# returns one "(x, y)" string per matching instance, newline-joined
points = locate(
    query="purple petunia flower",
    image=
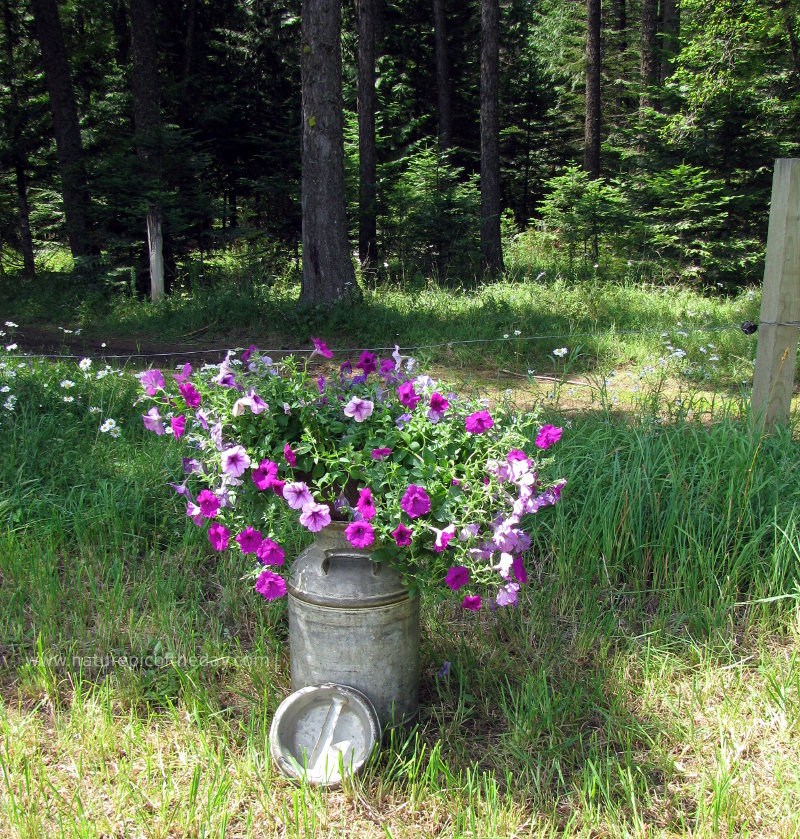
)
(437, 406)
(297, 495)
(277, 487)
(270, 585)
(315, 516)
(407, 395)
(291, 457)
(457, 576)
(321, 384)
(248, 352)
(265, 474)
(402, 535)
(359, 409)
(320, 348)
(387, 366)
(178, 425)
(190, 394)
(402, 420)
(507, 594)
(365, 505)
(218, 535)
(547, 436)
(252, 401)
(360, 534)
(471, 602)
(191, 465)
(518, 570)
(234, 461)
(270, 553)
(367, 362)
(151, 381)
(380, 454)
(153, 422)
(249, 540)
(479, 422)
(194, 512)
(183, 376)
(209, 503)
(415, 502)
(443, 537)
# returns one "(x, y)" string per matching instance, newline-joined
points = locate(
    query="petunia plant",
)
(436, 484)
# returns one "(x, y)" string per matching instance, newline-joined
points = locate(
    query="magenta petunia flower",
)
(380, 454)
(402, 535)
(387, 366)
(547, 436)
(479, 422)
(183, 376)
(407, 395)
(290, 456)
(277, 487)
(190, 394)
(457, 576)
(359, 409)
(315, 516)
(249, 540)
(443, 537)
(367, 362)
(415, 502)
(472, 602)
(248, 352)
(270, 553)
(438, 403)
(218, 535)
(153, 422)
(234, 461)
(209, 503)
(365, 505)
(519, 571)
(321, 348)
(178, 425)
(360, 534)
(265, 474)
(194, 512)
(297, 495)
(270, 585)
(151, 381)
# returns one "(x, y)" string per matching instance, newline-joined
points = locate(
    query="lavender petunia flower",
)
(153, 422)
(359, 409)
(234, 461)
(297, 495)
(315, 516)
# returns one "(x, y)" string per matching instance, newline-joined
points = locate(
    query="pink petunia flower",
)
(321, 348)
(218, 535)
(153, 422)
(270, 585)
(360, 534)
(471, 602)
(151, 381)
(415, 502)
(547, 436)
(265, 474)
(270, 553)
(407, 395)
(457, 576)
(234, 461)
(380, 454)
(315, 516)
(190, 394)
(249, 540)
(402, 535)
(297, 495)
(365, 505)
(290, 456)
(178, 425)
(359, 409)
(479, 422)
(209, 503)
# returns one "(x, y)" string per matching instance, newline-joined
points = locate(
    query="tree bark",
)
(650, 63)
(591, 148)
(620, 27)
(442, 75)
(367, 196)
(491, 245)
(147, 119)
(328, 273)
(670, 36)
(69, 148)
(17, 152)
(788, 22)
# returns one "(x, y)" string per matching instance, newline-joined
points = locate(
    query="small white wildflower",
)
(560, 352)
(85, 364)
(679, 354)
(2, 334)
(103, 344)
(517, 332)
(10, 403)
(108, 425)
(67, 384)
(115, 432)
(21, 365)
(11, 347)
(702, 350)
(4, 389)
(94, 409)
(11, 325)
(682, 333)
(69, 398)
(713, 358)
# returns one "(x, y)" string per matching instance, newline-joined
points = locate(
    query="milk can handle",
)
(345, 555)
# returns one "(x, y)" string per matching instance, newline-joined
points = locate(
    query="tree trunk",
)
(650, 63)
(789, 23)
(591, 148)
(442, 75)
(367, 197)
(670, 34)
(147, 119)
(620, 26)
(327, 270)
(14, 122)
(491, 245)
(69, 148)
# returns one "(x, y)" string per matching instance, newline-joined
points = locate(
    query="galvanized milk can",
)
(351, 622)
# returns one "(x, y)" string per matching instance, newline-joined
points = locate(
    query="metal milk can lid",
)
(345, 579)
(323, 732)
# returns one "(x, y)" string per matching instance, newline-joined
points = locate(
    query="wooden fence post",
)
(776, 353)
